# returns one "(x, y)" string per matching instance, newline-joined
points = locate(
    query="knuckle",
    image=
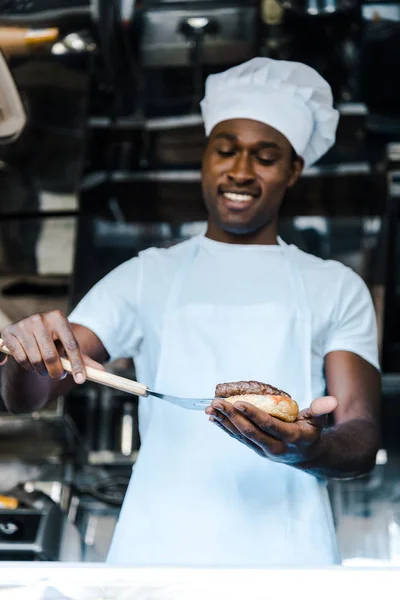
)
(43, 337)
(57, 314)
(231, 412)
(248, 431)
(21, 359)
(8, 339)
(72, 344)
(6, 331)
(20, 327)
(36, 319)
(50, 357)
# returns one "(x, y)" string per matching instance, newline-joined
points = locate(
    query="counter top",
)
(55, 581)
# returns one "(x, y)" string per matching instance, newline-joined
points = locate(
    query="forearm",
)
(344, 451)
(24, 391)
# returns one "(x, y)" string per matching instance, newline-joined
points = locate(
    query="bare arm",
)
(346, 450)
(349, 447)
(34, 375)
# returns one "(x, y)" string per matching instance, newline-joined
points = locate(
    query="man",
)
(239, 488)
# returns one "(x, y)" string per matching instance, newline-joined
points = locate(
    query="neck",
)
(265, 236)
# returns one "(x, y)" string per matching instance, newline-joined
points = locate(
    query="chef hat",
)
(289, 96)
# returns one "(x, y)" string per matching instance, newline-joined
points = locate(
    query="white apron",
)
(198, 497)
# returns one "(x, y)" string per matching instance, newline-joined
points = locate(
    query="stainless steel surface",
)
(194, 176)
(164, 44)
(188, 403)
(190, 120)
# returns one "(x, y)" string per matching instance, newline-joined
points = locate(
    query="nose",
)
(242, 170)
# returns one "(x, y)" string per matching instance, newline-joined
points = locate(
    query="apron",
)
(197, 497)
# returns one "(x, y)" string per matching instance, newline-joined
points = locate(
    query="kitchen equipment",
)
(31, 532)
(195, 29)
(229, 34)
(127, 385)
(321, 7)
(180, 44)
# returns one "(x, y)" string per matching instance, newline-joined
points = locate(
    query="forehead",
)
(249, 132)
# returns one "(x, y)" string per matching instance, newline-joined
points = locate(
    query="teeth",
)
(237, 197)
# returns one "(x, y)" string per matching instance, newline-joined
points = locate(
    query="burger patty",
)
(240, 388)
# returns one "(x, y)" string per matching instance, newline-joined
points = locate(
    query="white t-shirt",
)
(125, 309)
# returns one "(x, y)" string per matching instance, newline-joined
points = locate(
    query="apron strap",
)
(192, 249)
(303, 307)
(299, 290)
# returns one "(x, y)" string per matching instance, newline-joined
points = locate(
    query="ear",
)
(297, 167)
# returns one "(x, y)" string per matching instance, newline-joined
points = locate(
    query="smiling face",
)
(247, 168)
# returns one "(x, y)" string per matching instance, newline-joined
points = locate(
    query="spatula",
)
(127, 385)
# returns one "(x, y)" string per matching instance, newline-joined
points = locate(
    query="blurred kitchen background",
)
(108, 164)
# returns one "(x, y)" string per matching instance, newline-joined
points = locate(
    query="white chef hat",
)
(289, 96)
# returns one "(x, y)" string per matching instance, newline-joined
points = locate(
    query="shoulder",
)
(334, 290)
(326, 272)
(343, 311)
(311, 263)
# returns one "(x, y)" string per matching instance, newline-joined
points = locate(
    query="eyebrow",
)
(233, 138)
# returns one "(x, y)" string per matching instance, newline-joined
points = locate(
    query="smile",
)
(235, 197)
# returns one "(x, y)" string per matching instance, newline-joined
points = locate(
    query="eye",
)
(225, 152)
(266, 162)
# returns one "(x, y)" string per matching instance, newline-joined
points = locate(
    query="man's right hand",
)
(37, 343)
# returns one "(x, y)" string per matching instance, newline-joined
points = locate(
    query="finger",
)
(323, 406)
(70, 344)
(245, 426)
(285, 432)
(238, 437)
(320, 408)
(89, 362)
(31, 349)
(47, 348)
(17, 351)
(220, 418)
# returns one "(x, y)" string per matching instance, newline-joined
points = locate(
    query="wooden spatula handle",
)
(113, 381)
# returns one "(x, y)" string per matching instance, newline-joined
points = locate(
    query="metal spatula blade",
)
(189, 403)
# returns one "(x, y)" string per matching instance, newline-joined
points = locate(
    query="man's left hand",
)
(288, 443)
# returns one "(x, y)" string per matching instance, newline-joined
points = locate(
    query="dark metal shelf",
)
(189, 120)
(98, 178)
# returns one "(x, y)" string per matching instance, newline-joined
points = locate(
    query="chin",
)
(242, 229)
(239, 230)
